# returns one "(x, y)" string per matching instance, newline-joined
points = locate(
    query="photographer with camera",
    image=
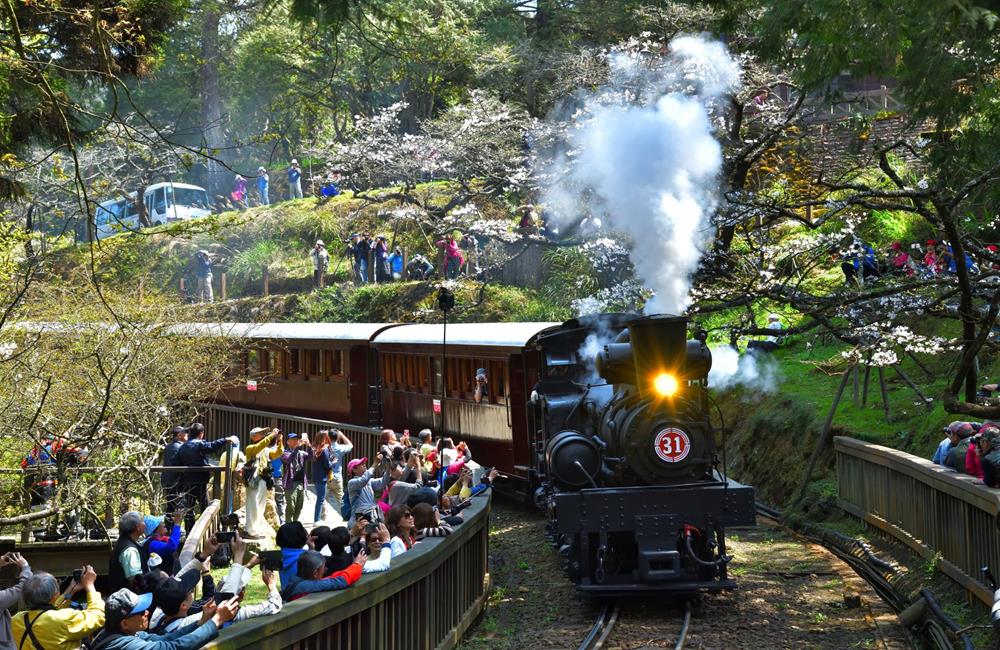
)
(258, 477)
(48, 620)
(10, 596)
(195, 453)
(163, 537)
(482, 390)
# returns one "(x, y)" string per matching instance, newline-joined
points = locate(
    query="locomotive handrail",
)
(426, 600)
(930, 508)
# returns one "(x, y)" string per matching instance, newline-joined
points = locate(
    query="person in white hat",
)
(294, 180)
(263, 186)
(321, 262)
(260, 453)
(774, 323)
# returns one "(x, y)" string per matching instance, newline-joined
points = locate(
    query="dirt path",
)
(791, 595)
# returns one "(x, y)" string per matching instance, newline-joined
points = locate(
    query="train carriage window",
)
(386, 368)
(294, 361)
(252, 362)
(312, 361)
(468, 378)
(266, 360)
(400, 371)
(423, 376)
(332, 366)
(411, 372)
(437, 375)
(453, 373)
(498, 382)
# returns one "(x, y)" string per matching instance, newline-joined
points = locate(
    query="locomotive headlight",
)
(665, 384)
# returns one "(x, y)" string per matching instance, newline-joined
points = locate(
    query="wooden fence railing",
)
(428, 598)
(206, 526)
(928, 507)
(223, 421)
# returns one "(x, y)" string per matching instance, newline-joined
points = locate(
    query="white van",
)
(165, 203)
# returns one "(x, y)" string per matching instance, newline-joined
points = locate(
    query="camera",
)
(77, 574)
(271, 560)
(225, 536)
(232, 520)
(168, 521)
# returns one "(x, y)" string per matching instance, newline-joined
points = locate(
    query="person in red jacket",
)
(973, 466)
(309, 578)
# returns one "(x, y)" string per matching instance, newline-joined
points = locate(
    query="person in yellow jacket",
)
(260, 453)
(49, 622)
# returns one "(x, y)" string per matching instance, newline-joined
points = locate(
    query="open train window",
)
(498, 381)
(411, 372)
(333, 365)
(294, 361)
(252, 362)
(400, 371)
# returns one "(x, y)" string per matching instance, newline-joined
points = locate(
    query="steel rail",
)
(601, 629)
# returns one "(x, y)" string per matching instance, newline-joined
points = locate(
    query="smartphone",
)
(222, 596)
(225, 536)
(77, 574)
(272, 560)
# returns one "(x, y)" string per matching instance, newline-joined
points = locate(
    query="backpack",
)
(345, 509)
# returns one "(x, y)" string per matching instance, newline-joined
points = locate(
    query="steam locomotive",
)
(626, 457)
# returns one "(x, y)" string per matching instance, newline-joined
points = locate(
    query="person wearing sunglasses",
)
(400, 523)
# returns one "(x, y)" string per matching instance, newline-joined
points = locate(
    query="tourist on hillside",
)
(859, 263)
(203, 271)
(294, 180)
(309, 577)
(959, 437)
(321, 262)
(257, 476)
(128, 619)
(173, 489)
(419, 268)
(239, 193)
(395, 262)
(381, 255)
(48, 620)
(952, 434)
(263, 186)
(294, 474)
(453, 259)
(195, 453)
(361, 250)
(10, 596)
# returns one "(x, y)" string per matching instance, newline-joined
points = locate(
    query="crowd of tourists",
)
(971, 448)
(413, 489)
(862, 264)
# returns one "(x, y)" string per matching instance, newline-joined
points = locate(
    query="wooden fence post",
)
(267, 282)
(222, 286)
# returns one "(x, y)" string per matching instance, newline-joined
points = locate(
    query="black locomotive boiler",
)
(627, 460)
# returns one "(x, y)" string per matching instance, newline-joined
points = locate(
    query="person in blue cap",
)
(127, 618)
(162, 541)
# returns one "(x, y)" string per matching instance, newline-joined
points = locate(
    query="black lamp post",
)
(446, 301)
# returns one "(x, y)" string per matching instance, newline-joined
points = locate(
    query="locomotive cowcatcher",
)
(627, 459)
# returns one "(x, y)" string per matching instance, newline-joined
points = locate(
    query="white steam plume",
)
(641, 153)
(754, 371)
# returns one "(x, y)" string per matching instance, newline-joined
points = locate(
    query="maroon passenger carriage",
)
(392, 375)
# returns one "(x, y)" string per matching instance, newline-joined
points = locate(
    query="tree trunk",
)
(211, 96)
(965, 309)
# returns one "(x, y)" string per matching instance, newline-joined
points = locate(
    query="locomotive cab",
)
(628, 462)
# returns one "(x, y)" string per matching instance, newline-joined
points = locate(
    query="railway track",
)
(604, 625)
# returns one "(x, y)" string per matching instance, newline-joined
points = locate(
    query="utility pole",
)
(446, 301)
